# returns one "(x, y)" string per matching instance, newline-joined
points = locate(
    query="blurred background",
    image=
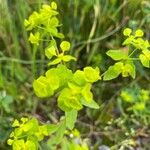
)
(93, 27)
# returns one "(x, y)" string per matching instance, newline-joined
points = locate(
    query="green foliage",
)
(63, 80)
(113, 71)
(71, 141)
(145, 58)
(65, 46)
(58, 136)
(138, 99)
(45, 21)
(5, 101)
(72, 89)
(91, 104)
(91, 75)
(126, 66)
(34, 39)
(71, 117)
(28, 133)
(50, 52)
(117, 54)
(68, 100)
(80, 144)
(43, 86)
(127, 32)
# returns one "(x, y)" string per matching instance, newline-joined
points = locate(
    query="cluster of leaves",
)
(52, 53)
(73, 89)
(135, 46)
(44, 23)
(137, 99)
(134, 103)
(27, 133)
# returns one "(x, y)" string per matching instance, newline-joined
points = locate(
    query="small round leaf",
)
(139, 33)
(54, 5)
(65, 46)
(127, 32)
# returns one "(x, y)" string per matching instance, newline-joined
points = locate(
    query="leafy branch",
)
(73, 88)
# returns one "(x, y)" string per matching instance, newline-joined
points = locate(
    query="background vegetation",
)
(93, 27)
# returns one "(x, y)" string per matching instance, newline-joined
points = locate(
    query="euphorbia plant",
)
(73, 89)
(136, 49)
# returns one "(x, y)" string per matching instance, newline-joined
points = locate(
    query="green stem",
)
(103, 74)
(132, 52)
(133, 59)
(57, 51)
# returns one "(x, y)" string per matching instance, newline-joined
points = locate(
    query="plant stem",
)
(132, 52)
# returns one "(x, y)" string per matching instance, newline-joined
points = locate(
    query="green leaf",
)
(54, 5)
(126, 96)
(68, 101)
(71, 117)
(62, 98)
(51, 128)
(128, 69)
(34, 39)
(132, 71)
(79, 78)
(65, 46)
(91, 75)
(50, 52)
(60, 132)
(129, 40)
(42, 87)
(57, 138)
(24, 120)
(74, 87)
(117, 54)
(144, 60)
(18, 145)
(30, 145)
(140, 106)
(16, 123)
(31, 126)
(62, 72)
(91, 104)
(55, 62)
(86, 93)
(6, 103)
(33, 21)
(10, 141)
(113, 71)
(52, 30)
(127, 32)
(44, 130)
(139, 33)
(54, 22)
(74, 103)
(53, 79)
(67, 58)
(146, 52)
(60, 35)
(18, 132)
(26, 23)
(65, 74)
